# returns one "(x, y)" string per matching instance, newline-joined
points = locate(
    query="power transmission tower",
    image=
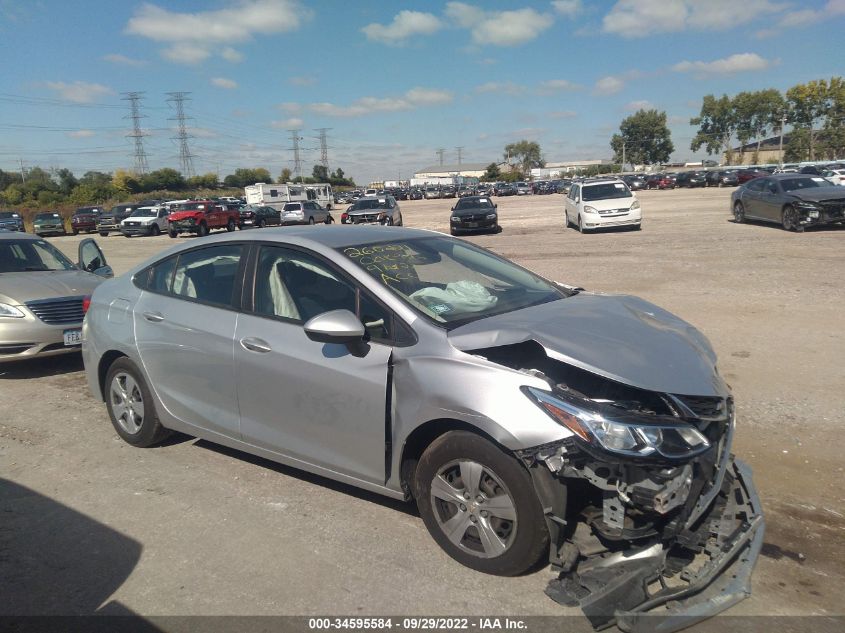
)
(324, 147)
(134, 99)
(460, 150)
(185, 157)
(297, 159)
(439, 152)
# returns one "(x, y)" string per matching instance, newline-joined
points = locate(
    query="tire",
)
(509, 537)
(155, 231)
(230, 225)
(130, 405)
(789, 219)
(452, 232)
(202, 231)
(581, 228)
(75, 231)
(172, 234)
(262, 223)
(104, 233)
(739, 213)
(388, 222)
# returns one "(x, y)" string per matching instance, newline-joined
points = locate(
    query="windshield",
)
(145, 212)
(450, 281)
(473, 203)
(369, 204)
(606, 191)
(47, 216)
(791, 184)
(9, 214)
(18, 256)
(190, 206)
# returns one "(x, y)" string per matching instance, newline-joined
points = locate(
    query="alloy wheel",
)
(127, 402)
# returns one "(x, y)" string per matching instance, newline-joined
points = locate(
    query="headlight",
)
(455, 218)
(808, 205)
(636, 205)
(491, 216)
(589, 209)
(10, 311)
(673, 441)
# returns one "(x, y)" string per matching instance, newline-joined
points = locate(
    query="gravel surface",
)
(88, 522)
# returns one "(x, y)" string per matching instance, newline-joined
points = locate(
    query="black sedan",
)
(794, 201)
(473, 215)
(254, 215)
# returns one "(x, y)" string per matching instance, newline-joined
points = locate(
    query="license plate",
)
(73, 337)
(472, 225)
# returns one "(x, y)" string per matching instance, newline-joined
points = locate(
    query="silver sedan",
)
(530, 421)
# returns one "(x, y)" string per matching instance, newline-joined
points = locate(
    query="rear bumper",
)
(645, 590)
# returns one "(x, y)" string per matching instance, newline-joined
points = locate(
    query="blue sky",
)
(394, 81)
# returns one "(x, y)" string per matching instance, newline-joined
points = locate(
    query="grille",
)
(370, 217)
(133, 224)
(706, 407)
(62, 310)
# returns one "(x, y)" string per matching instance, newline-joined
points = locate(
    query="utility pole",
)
(623, 157)
(182, 136)
(297, 160)
(324, 147)
(439, 152)
(780, 150)
(23, 173)
(134, 99)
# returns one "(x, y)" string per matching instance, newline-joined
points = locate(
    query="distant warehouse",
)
(468, 170)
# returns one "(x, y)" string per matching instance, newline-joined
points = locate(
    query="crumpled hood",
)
(818, 194)
(622, 338)
(18, 288)
(184, 215)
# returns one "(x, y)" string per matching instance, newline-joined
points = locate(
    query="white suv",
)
(596, 203)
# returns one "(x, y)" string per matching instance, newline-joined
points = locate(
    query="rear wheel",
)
(230, 225)
(130, 405)
(479, 504)
(76, 231)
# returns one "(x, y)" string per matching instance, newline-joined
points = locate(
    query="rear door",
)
(184, 328)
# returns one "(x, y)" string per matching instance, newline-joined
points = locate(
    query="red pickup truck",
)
(201, 216)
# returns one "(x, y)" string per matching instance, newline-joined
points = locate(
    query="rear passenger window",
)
(161, 276)
(208, 275)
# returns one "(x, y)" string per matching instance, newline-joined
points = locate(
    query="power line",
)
(297, 159)
(324, 147)
(134, 99)
(182, 136)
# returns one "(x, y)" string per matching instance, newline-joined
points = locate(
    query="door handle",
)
(154, 317)
(256, 345)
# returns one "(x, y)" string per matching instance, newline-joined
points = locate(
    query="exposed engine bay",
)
(653, 524)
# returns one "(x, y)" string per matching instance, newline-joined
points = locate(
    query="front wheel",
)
(104, 233)
(262, 223)
(739, 213)
(789, 219)
(479, 505)
(155, 231)
(202, 231)
(130, 405)
(76, 231)
(581, 228)
(172, 234)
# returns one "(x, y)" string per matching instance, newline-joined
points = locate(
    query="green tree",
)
(13, 194)
(492, 173)
(645, 137)
(285, 176)
(524, 153)
(809, 103)
(67, 181)
(716, 126)
(124, 183)
(8, 178)
(97, 178)
(243, 177)
(165, 179)
(205, 181)
(320, 173)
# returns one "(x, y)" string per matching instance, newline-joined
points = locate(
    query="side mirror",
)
(337, 326)
(92, 260)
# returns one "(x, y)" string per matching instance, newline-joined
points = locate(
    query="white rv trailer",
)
(271, 195)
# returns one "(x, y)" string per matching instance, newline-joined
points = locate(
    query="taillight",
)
(86, 303)
(344, 218)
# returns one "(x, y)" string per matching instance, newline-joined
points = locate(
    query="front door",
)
(320, 403)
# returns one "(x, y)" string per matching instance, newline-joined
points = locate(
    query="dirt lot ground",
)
(189, 528)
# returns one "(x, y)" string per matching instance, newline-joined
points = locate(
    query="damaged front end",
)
(654, 525)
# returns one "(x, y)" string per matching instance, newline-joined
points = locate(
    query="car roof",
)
(599, 181)
(323, 236)
(14, 235)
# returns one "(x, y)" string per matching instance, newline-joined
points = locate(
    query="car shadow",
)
(55, 561)
(406, 507)
(41, 367)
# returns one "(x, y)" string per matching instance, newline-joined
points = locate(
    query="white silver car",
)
(530, 421)
(146, 221)
(598, 203)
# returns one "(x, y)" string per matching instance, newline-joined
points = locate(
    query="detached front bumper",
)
(665, 586)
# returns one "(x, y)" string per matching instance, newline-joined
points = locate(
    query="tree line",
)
(39, 188)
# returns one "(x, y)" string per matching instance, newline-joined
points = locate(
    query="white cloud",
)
(290, 106)
(195, 36)
(500, 87)
(222, 82)
(302, 81)
(292, 123)
(551, 86)
(804, 17)
(414, 98)
(568, 8)
(117, 58)
(562, 114)
(633, 106)
(499, 28)
(79, 91)
(608, 85)
(405, 25)
(232, 55)
(739, 63)
(640, 18)
(202, 132)
(186, 54)
(81, 134)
